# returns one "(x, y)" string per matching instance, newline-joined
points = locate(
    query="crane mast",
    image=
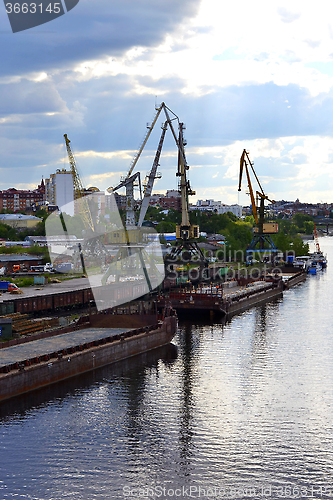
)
(185, 231)
(129, 184)
(262, 229)
(316, 238)
(81, 206)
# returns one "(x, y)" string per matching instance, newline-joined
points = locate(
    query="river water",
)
(242, 410)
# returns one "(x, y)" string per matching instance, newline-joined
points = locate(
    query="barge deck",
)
(29, 366)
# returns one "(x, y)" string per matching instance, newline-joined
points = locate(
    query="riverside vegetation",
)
(237, 232)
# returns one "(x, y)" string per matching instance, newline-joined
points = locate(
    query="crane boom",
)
(150, 128)
(242, 164)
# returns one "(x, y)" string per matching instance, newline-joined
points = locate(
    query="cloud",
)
(91, 30)
(287, 16)
(97, 73)
(26, 97)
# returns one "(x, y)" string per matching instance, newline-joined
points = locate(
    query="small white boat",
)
(303, 261)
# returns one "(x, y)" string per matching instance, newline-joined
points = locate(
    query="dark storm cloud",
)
(91, 30)
(219, 118)
(106, 115)
(114, 117)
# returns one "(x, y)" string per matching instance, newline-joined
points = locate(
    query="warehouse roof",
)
(18, 257)
(18, 217)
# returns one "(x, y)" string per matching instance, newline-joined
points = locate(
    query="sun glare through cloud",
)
(256, 76)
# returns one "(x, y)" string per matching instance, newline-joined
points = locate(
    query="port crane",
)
(185, 231)
(78, 189)
(262, 230)
(129, 181)
(92, 246)
(131, 245)
(316, 238)
(186, 249)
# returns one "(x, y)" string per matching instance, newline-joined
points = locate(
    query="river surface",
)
(243, 410)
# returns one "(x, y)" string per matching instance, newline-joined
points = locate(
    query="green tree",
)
(282, 241)
(308, 227)
(174, 216)
(299, 221)
(299, 247)
(166, 227)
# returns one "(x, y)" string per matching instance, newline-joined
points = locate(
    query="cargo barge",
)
(95, 341)
(231, 298)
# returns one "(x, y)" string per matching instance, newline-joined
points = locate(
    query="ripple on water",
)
(248, 403)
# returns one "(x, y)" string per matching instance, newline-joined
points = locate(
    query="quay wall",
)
(49, 372)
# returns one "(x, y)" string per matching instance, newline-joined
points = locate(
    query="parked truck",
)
(64, 267)
(7, 286)
(47, 268)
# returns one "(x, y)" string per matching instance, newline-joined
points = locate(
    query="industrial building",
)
(59, 190)
(19, 221)
(217, 207)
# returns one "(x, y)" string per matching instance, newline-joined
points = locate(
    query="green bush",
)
(21, 282)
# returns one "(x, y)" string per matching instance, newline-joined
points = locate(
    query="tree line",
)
(238, 232)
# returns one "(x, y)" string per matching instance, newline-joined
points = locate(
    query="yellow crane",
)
(262, 229)
(82, 206)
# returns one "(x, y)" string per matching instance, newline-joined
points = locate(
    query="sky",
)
(240, 75)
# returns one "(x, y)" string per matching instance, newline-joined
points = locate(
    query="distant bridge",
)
(324, 224)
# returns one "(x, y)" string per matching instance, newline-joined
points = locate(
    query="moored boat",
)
(96, 341)
(319, 258)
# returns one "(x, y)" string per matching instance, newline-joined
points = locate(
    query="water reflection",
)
(188, 345)
(247, 403)
(133, 369)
